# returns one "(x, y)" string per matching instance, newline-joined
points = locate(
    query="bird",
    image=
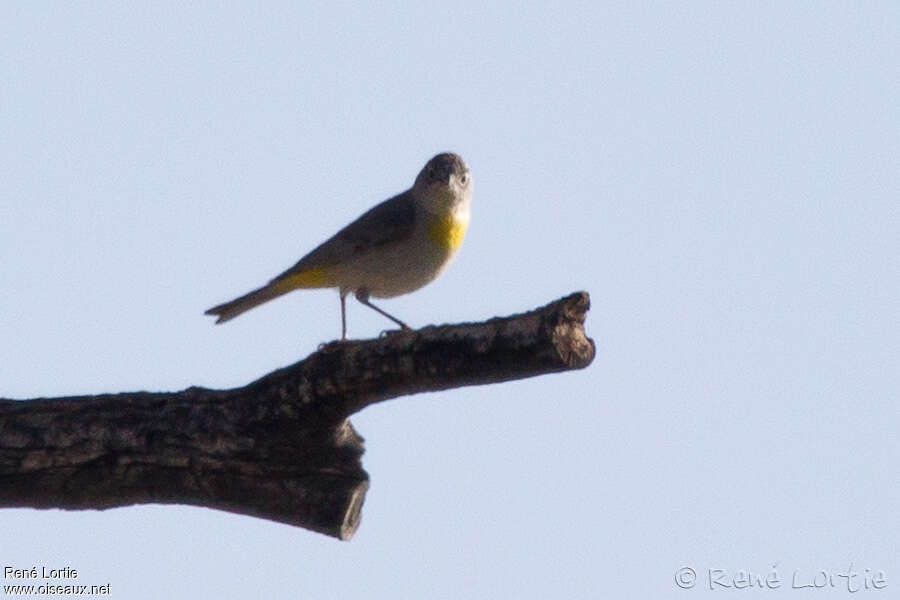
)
(394, 248)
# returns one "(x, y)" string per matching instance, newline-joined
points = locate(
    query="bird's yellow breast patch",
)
(448, 231)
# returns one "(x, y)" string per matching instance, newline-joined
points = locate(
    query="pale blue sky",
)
(723, 180)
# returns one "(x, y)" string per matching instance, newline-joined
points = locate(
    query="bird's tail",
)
(230, 310)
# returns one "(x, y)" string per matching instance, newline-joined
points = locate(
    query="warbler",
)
(395, 248)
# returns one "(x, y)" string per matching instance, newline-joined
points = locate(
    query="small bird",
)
(395, 248)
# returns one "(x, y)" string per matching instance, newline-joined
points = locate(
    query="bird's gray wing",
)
(392, 220)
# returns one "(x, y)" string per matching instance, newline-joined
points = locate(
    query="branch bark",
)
(280, 448)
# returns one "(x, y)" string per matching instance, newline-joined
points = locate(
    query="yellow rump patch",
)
(447, 231)
(310, 278)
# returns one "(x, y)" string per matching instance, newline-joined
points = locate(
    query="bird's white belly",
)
(396, 269)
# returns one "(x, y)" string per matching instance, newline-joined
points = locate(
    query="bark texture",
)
(280, 448)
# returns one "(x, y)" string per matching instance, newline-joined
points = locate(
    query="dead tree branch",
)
(280, 448)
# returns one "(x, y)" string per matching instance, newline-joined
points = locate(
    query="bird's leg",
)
(362, 295)
(343, 314)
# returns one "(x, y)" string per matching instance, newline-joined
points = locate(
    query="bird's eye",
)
(464, 178)
(431, 173)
